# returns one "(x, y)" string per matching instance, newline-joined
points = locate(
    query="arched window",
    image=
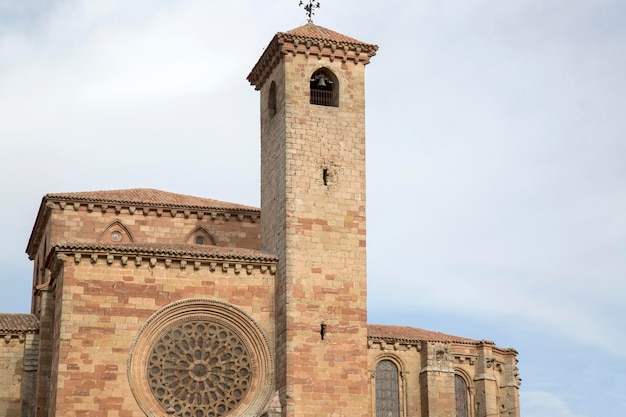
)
(324, 88)
(460, 394)
(387, 391)
(116, 232)
(271, 100)
(200, 236)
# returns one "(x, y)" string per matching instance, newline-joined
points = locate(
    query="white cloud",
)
(546, 404)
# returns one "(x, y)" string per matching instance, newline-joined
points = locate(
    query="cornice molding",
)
(139, 257)
(159, 210)
(399, 341)
(388, 344)
(286, 43)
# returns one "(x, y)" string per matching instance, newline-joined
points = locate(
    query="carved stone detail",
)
(201, 357)
(199, 368)
(112, 255)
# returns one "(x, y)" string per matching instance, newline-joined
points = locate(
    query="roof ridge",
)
(415, 333)
(148, 196)
(313, 31)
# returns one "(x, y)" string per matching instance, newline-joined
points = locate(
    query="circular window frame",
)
(224, 314)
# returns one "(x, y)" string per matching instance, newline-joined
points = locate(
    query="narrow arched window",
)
(460, 394)
(324, 88)
(271, 100)
(387, 391)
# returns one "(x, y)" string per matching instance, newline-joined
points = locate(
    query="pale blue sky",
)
(496, 154)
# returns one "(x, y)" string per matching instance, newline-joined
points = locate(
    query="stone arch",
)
(209, 332)
(324, 88)
(400, 363)
(463, 393)
(116, 232)
(193, 237)
(389, 385)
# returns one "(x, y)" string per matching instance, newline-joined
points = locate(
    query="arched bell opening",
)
(324, 88)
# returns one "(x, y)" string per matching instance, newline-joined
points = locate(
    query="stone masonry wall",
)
(323, 276)
(11, 371)
(426, 377)
(273, 202)
(82, 225)
(104, 306)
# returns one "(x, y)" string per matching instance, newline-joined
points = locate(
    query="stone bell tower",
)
(313, 216)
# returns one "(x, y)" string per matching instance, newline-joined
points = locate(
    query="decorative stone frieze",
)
(464, 359)
(393, 345)
(110, 258)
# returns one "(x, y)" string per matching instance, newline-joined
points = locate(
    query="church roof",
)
(149, 196)
(18, 323)
(384, 331)
(312, 31)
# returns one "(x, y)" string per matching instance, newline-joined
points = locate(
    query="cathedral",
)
(151, 303)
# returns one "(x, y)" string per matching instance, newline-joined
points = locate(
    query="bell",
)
(321, 82)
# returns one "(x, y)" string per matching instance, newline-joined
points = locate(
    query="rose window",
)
(200, 368)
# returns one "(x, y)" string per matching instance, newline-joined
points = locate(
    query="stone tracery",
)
(199, 368)
(201, 358)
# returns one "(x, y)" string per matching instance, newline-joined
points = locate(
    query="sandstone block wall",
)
(82, 223)
(101, 308)
(427, 372)
(11, 372)
(156, 226)
(313, 197)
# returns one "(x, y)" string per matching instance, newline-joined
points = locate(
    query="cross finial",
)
(310, 7)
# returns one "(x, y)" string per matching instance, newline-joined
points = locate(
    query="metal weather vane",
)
(310, 7)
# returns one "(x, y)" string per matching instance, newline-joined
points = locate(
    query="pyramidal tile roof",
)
(18, 323)
(146, 196)
(413, 333)
(312, 31)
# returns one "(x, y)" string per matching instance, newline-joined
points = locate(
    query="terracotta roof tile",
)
(412, 333)
(312, 31)
(172, 249)
(147, 196)
(18, 323)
